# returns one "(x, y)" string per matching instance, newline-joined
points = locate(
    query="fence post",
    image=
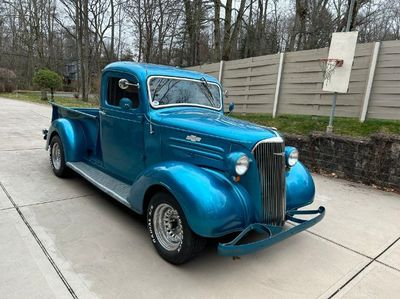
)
(368, 89)
(221, 71)
(278, 84)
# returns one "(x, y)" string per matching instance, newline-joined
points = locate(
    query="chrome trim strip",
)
(276, 139)
(100, 186)
(187, 105)
(198, 144)
(197, 152)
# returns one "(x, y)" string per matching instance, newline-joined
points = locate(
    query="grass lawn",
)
(300, 124)
(62, 100)
(295, 124)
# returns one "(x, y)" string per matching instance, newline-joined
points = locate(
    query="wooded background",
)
(88, 34)
(251, 83)
(85, 35)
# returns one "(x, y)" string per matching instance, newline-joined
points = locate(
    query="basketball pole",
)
(350, 16)
(329, 128)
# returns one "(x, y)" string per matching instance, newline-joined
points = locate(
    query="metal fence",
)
(291, 83)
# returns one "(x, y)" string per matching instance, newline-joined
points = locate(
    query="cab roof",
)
(145, 70)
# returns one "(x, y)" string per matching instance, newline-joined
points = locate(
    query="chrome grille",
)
(270, 158)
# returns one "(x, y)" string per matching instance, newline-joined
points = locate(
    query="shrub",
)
(46, 79)
(7, 80)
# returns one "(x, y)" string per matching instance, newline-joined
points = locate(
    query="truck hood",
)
(212, 123)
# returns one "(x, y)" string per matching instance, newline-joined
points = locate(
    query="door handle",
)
(101, 112)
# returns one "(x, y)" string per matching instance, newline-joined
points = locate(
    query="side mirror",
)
(231, 106)
(124, 84)
(125, 104)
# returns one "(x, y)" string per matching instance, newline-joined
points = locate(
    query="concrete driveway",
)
(62, 238)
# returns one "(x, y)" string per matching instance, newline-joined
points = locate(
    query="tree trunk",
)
(217, 30)
(112, 30)
(238, 25)
(85, 50)
(226, 52)
(299, 25)
(43, 95)
(190, 30)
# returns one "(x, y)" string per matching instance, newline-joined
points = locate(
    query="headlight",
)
(242, 165)
(292, 157)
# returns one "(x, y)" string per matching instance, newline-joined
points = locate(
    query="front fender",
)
(72, 138)
(213, 205)
(300, 188)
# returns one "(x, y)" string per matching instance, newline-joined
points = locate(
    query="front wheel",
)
(169, 230)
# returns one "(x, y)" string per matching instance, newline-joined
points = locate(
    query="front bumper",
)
(275, 233)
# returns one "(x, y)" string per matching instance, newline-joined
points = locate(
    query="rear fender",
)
(72, 137)
(213, 205)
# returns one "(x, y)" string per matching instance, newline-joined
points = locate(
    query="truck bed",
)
(88, 120)
(62, 111)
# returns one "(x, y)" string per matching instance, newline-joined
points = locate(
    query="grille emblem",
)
(193, 138)
(279, 154)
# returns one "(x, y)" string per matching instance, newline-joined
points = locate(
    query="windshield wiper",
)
(210, 98)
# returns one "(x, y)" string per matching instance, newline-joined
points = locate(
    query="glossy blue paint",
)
(186, 150)
(72, 137)
(211, 123)
(121, 133)
(212, 203)
(300, 188)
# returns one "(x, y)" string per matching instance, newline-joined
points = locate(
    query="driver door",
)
(121, 128)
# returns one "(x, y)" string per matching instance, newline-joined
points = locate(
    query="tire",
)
(57, 158)
(170, 232)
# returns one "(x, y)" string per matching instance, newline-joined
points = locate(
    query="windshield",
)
(169, 91)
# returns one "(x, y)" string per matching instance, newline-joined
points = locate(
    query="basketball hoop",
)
(328, 66)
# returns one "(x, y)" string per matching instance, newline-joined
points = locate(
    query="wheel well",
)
(54, 133)
(150, 192)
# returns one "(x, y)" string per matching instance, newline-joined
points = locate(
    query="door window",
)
(115, 94)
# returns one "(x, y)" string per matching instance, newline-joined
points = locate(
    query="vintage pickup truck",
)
(161, 145)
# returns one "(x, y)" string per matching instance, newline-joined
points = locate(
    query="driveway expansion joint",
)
(341, 245)
(21, 149)
(55, 200)
(375, 259)
(39, 242)
(5, 209)
(387, 265)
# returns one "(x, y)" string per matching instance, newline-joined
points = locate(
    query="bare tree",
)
(92, 33)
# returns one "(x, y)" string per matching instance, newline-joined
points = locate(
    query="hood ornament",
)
(193, 138)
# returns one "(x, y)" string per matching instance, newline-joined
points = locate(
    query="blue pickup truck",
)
(161, 145)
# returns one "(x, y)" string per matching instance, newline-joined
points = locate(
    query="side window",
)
(115, 94)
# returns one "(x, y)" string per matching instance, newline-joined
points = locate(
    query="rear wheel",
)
(169, 230)
(57, 157)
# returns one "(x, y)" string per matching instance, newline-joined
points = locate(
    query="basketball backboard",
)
(343, 46)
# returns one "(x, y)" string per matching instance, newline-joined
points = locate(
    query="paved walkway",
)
(62, 238)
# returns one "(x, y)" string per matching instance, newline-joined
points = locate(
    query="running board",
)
(113, 187)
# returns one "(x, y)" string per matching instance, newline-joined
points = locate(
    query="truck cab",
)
(161, 145)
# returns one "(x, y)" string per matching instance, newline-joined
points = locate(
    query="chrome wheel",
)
(56, 156)
(168, 227)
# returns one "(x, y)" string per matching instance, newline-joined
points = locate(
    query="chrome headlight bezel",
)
(292, 156)
(238, 163)
(242, 165)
